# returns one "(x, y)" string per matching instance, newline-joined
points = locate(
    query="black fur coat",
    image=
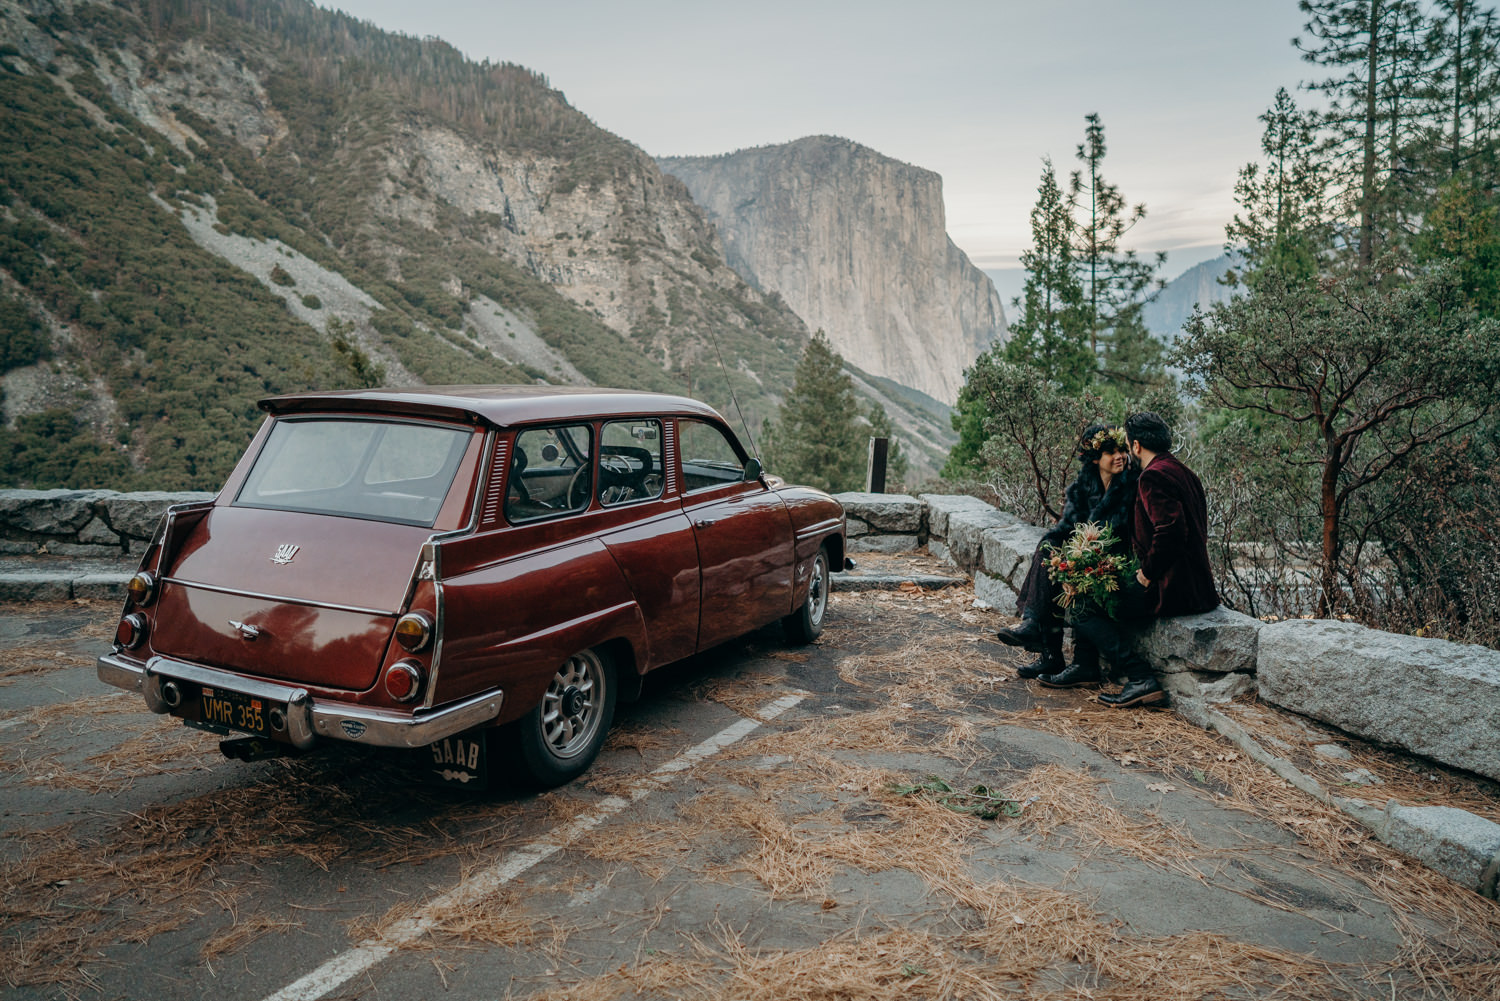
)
(1087, 500)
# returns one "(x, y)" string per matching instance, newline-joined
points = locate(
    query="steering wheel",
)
(624, 470)
(578, 488)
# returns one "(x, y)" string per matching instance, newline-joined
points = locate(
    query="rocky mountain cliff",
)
(856, 243)
(1197, 286)
(204, 202)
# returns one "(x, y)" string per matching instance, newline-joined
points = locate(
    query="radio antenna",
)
(754, 449)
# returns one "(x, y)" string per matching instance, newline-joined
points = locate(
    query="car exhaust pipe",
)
(252, 749)
(171, 694)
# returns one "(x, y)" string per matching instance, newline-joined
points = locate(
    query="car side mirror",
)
(752, 470)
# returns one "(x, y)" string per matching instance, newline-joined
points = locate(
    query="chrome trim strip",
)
(276, 597)
(818, 529)
(308, 719)
(436, 660)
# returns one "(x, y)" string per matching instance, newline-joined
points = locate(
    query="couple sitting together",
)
(1130, 483)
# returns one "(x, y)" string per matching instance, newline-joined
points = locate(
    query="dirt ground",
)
(922, 824)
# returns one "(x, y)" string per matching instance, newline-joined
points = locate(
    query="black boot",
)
(1145, 691)
(1083, 671)
(1027, 636)
(1051, 659)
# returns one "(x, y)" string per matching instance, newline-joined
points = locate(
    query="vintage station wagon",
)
(478, 570)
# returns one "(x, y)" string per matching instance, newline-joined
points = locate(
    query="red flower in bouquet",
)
(1088, 570)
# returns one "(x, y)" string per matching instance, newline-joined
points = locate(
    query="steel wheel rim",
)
(817, 590)
(571, 705)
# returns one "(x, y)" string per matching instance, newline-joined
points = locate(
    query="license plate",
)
(221, 707)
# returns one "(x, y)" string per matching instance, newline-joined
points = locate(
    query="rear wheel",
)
(561, 736)
(806, 623)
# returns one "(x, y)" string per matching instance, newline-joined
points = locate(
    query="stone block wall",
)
(1437, 699)
(94, 524)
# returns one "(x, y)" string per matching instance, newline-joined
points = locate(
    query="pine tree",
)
(1463, 98)
(1282, 223)
(1051, 332)
(1371, 130)
(818, 437)
(1116, 283)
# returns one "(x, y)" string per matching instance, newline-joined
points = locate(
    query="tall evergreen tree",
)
(818, 437)
(1116, 283)
(1463, 98)
(1051, 333)
(1371, 129)
(1282, 224)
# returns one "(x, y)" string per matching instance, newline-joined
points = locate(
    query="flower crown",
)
(1100, 438)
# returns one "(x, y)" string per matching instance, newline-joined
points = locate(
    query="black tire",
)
(558, 740)
(806, 623)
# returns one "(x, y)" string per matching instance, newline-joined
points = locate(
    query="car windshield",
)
(383, 470)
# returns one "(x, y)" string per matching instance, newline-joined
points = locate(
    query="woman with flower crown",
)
(1103, 493)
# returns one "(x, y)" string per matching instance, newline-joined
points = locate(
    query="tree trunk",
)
(1367, 191)
(1329, 598)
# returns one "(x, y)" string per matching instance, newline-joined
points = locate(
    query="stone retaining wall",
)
(98, 524)
(1437, 699)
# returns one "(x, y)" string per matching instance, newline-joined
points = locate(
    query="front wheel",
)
(806, 623)
(561, 736)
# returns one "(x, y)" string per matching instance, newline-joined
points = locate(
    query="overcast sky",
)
(977, 91)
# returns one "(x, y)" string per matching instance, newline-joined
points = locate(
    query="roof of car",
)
(501, 406)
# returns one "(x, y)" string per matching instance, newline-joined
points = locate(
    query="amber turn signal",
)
(403, 680)
(414, 631)
(141, 588)
(131, 632)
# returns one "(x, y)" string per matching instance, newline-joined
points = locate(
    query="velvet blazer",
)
(1169, 532)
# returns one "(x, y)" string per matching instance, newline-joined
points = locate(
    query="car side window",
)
(629, 461)
(551, 472)
(709, 457)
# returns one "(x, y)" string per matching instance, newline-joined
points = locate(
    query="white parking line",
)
(347, 965)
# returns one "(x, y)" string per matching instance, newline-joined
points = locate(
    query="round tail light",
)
(131, 632)
(403, 681)
(141, 589)
(414, 631)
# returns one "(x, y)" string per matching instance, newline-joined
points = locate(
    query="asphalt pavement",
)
(887, 813)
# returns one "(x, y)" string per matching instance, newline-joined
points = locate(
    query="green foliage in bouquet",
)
(1090, 570)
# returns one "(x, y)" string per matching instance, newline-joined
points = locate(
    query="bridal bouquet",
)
(1087, 571)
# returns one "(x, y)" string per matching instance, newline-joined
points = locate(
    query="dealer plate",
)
(458, 761)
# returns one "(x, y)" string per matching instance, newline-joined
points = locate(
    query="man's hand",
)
(1141, 579)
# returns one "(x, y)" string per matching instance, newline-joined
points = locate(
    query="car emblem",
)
(284, 553)
(353, 728)
(245, 629)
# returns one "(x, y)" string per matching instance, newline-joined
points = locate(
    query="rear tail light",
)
(414, 631)
(131, 632)
(403, 680)
(141, 589)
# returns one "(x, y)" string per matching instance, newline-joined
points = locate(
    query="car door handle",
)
(704, 523)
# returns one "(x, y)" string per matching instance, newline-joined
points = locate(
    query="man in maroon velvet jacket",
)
(1169, 532)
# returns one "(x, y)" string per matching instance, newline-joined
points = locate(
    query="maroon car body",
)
(482, 570)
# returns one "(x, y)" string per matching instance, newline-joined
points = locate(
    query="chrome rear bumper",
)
(307, 719)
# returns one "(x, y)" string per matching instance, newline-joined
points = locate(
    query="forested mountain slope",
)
(204, 202)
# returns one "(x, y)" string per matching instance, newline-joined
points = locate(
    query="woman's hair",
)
(1150, 430)
(1099, 439)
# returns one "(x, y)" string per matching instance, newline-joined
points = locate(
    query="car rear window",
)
(397, 471)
